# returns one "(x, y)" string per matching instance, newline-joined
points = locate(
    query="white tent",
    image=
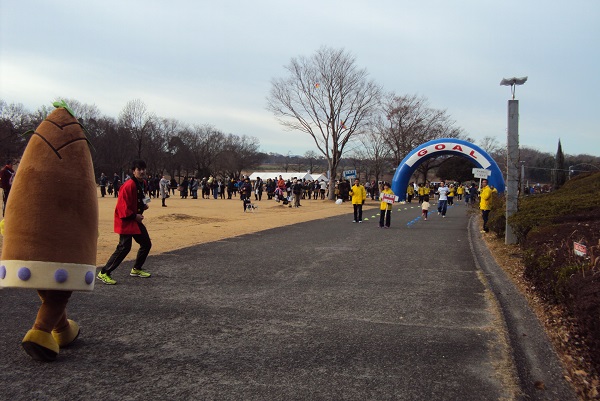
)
(264, 175)
(318, 177)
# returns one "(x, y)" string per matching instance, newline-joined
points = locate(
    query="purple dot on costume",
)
(2, 272)
(24, 273)
(61, 275)
(89, 278)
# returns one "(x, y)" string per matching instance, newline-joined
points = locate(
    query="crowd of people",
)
(291, 192)
(443, 195)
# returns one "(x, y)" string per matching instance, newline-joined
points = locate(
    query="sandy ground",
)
(187, 222)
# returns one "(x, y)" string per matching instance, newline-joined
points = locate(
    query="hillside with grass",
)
(550, 228)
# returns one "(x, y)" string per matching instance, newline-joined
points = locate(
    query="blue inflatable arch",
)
(445, 146)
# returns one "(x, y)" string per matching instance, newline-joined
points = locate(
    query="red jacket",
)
(128, 206)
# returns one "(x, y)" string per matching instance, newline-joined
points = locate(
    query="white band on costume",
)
(47, 275)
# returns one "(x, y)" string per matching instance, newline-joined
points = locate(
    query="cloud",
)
(212, 62)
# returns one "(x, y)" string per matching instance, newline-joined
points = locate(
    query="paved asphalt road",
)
(323, 310)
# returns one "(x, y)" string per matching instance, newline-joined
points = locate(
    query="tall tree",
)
(138, 121)
(240, 153)
(310, 156)
(206, 146)
(408, 121)
(375, 154)
(14, 121)
(328, 97)
(560, 173)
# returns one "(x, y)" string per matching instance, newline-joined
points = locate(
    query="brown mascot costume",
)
(50, 241)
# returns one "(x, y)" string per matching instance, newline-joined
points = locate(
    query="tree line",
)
(167, 145)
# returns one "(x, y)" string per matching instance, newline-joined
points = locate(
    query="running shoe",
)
(106, 279)
(139, 273)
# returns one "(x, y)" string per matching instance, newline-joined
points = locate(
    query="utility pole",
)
(512, 157)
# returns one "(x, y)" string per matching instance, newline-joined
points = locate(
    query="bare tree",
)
(327, 97)
(407, 122)
(287, 160)
(239, 153)
(206, 147)
(311, 159)
(138, 121)
(15, 120)
(83, 111)
(491, 145)
(375, 153)
(158, 152)
(180, 155)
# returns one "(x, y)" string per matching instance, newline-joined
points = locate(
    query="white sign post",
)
(389, 199)
(481, 173)
(349, 174)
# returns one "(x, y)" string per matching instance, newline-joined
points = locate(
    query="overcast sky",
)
(211, 62)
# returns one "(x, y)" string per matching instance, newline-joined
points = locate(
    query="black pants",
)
(103, 190)
(357, 211)
(485, 214)
(124, 247)
(385, 216)
(5, 193)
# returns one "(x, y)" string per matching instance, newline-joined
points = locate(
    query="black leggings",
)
(124, 247)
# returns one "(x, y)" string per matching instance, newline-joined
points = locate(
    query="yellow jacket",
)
(359, 194)
(410, 190)
(460, 190)
(421, 191)
(385, 205)
(486, 198)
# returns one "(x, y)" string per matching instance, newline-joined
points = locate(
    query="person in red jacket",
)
(131, 204)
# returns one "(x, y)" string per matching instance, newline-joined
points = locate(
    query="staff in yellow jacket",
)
(410, 192)
(359, 194)
(421, 192)
(385, 208)
(485, 203)
(460, 191)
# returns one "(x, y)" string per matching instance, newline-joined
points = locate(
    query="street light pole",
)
(512, 157)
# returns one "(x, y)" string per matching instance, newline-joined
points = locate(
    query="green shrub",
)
(497, 219)
(579, 194)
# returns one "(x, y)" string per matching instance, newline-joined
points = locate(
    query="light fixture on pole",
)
(513, 82)
(512, 157)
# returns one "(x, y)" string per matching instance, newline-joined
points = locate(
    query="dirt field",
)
(187, 222)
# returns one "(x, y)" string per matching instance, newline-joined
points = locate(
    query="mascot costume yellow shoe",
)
(50, 240)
